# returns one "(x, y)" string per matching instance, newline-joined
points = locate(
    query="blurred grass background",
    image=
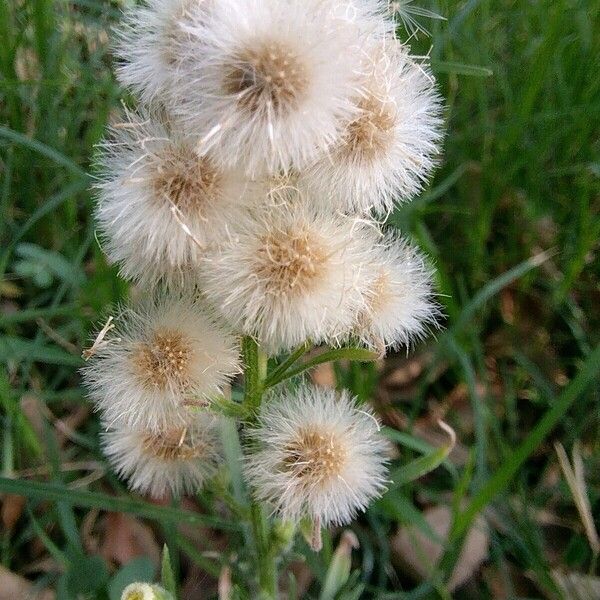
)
(512, 221)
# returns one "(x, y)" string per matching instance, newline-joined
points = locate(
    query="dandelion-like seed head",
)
(319, 455)
(266, 84)
(161, 206)
(315, 456)
(267, 75)
(150, 46)
(290, 260)
(400, 305)
(369, 135)
(289, 274)
(163, 359)
(388, 146)
(176, 460)
(190, 182)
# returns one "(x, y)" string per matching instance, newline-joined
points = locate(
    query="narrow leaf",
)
(52, 492)
(358, 354)
(166, 573)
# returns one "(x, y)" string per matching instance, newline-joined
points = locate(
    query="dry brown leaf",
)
(413, 551)
(125, 538)
(324, 375)
(12, 508)
(15, 587)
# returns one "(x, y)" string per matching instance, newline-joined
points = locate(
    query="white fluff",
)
(400, 304)
(289, 274)
(175, 461)
(388, 148)
(148, 46)
(161, 206)
(320, 455)
(265, 83)
(163, 359)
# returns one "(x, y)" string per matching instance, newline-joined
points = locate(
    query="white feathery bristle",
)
(388, 148)
(148, 46)
(161, 361)
(173, 461)
(319, 455)
(400, 306)
(161, 206)
(265, 83)
(289, 274)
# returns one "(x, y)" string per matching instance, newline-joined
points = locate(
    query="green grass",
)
(520, 177)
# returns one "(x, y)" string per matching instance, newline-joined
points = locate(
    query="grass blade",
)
(36, 490)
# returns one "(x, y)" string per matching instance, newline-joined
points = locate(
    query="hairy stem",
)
(255, 364)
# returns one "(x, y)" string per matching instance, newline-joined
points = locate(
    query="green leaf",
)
(58, 493)
(48, 263)
(30, 314)
(359, 354)
(166, 573)
(424, 464)
(19, 349)
(457, 68)
(86, 575)
(138, 569)
(44, 149)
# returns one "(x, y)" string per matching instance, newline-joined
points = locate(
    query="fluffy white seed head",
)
(265, 83)
(162, 360)
(148, 42)
(400, 305)
(388, 148)
(319, 455)
(160, 205)
(289, 274)
(173, 461)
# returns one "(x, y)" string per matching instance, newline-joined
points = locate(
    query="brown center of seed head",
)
(188, 181)
(268, 76)
(370, 133)
(315, 456)
(380, 294)
(173, 444)
(289, 262)
(164, 360)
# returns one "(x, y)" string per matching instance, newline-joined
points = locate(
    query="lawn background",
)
(511, 222)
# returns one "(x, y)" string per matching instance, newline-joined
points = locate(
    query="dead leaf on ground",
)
(12, 508)
(416, 553)
(125, 537)
(324, 375)
(15, 587)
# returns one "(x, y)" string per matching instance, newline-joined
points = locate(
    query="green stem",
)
(255, 364)
(267, 564)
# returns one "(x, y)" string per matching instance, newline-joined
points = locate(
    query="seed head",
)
(388, 147)
(319, 455)
(176, 461)
(161, 206)
(289, 274)
(163, 359)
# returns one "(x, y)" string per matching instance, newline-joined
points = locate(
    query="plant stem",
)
(267, 563)
(255, 363)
